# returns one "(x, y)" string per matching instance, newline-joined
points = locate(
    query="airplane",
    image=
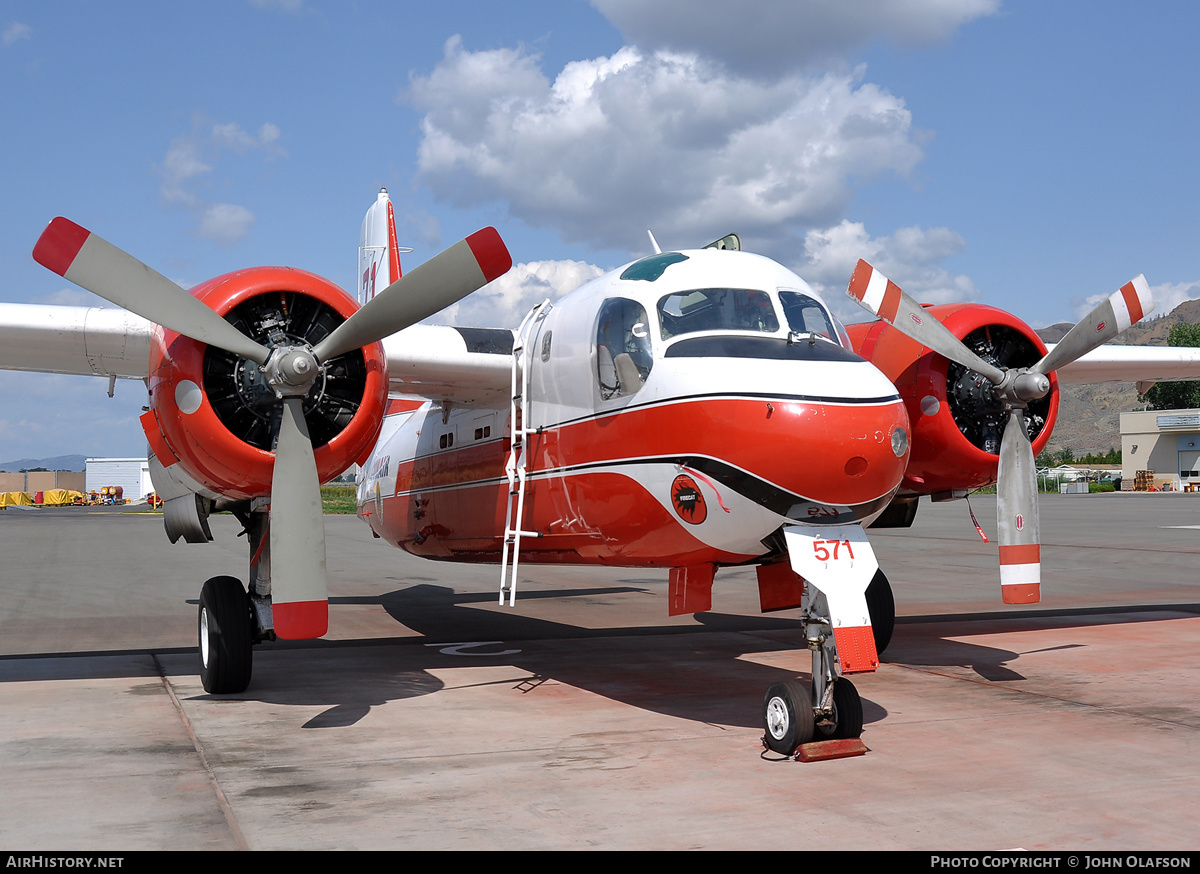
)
(691, 410)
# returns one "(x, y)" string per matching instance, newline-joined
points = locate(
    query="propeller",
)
(297, 531)
(1017, 523)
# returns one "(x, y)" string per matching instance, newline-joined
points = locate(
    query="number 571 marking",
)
(821, 549)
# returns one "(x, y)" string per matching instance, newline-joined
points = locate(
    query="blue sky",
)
(1021, 154)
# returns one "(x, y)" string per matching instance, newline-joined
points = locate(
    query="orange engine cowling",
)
(956, 421)
(212, 412)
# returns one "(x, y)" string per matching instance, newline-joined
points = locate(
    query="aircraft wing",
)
(89, 341)
(465, 365)
(1141, 364)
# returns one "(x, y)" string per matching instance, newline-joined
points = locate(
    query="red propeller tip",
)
(860, 279)
(58, 245)
(300, 620)
(1022, 593)
(491, 253)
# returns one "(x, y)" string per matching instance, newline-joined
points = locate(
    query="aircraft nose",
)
(845, 453)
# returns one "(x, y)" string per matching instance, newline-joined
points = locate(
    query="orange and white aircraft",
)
(690, 410)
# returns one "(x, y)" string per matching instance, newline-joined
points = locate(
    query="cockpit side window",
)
(716, 309)
(623, 353)
(805, 315)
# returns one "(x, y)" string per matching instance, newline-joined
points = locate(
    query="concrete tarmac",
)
(432, 718)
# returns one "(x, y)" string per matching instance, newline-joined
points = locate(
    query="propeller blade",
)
(881, 296)
(1017, 526)
(1117, 312)
(442, 280)
(299, 580)
(80, 256)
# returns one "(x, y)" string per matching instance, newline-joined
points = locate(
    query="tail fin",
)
(378, 254)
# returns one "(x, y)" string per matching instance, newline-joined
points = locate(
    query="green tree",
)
(1176, 395)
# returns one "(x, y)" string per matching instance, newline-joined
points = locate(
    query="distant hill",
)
(57, 462)
(1089, 416)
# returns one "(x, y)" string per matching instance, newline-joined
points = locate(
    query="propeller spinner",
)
(297, 531)
(1017, 523)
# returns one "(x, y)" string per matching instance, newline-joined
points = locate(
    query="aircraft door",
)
(624, 356)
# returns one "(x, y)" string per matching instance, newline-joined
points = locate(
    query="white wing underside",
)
(1132, 364)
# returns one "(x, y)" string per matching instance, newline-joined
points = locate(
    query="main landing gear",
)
(231, 620)
(226, 630)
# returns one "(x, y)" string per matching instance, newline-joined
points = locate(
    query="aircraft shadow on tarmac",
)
(934, 645)
(693, 672)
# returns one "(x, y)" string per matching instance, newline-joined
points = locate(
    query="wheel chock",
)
(821, 750)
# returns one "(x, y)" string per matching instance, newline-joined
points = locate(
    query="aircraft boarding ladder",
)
(517, 459)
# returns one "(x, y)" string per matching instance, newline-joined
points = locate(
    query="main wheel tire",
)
(787, 717)
(847, 721)
(225, 627)
(882, 608)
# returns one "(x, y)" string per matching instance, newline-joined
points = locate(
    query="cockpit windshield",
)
(716, 309)
(805, 315)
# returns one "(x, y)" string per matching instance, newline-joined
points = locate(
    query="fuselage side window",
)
(716, 309)
(623, 353)
(805, 315)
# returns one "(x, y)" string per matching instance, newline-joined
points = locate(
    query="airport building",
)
(131, 474)
(1164, 443)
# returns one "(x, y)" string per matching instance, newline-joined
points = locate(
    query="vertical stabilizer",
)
(378, 254)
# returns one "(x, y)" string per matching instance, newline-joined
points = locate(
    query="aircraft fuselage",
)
(679, 415)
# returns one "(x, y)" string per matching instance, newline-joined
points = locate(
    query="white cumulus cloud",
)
(225, 223)
(911, 258)
(503, 302)
(771, 36)
(15, 31)
(668, 141)
(191, 160)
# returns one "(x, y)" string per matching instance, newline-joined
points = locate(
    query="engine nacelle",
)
(956, 422)
(213, 413)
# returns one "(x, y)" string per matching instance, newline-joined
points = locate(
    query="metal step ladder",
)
(517, 454)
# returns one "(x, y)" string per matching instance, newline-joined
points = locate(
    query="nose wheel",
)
(790, 719)
(787, 717)
(845, 719)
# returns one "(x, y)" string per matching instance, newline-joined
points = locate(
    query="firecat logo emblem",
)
(1020, 522)
(688, 502)
(1100, 327)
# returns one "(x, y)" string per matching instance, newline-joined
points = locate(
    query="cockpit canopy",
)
(625, 351)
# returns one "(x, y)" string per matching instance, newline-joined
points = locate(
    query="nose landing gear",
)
(825, 720)
(822, 721)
